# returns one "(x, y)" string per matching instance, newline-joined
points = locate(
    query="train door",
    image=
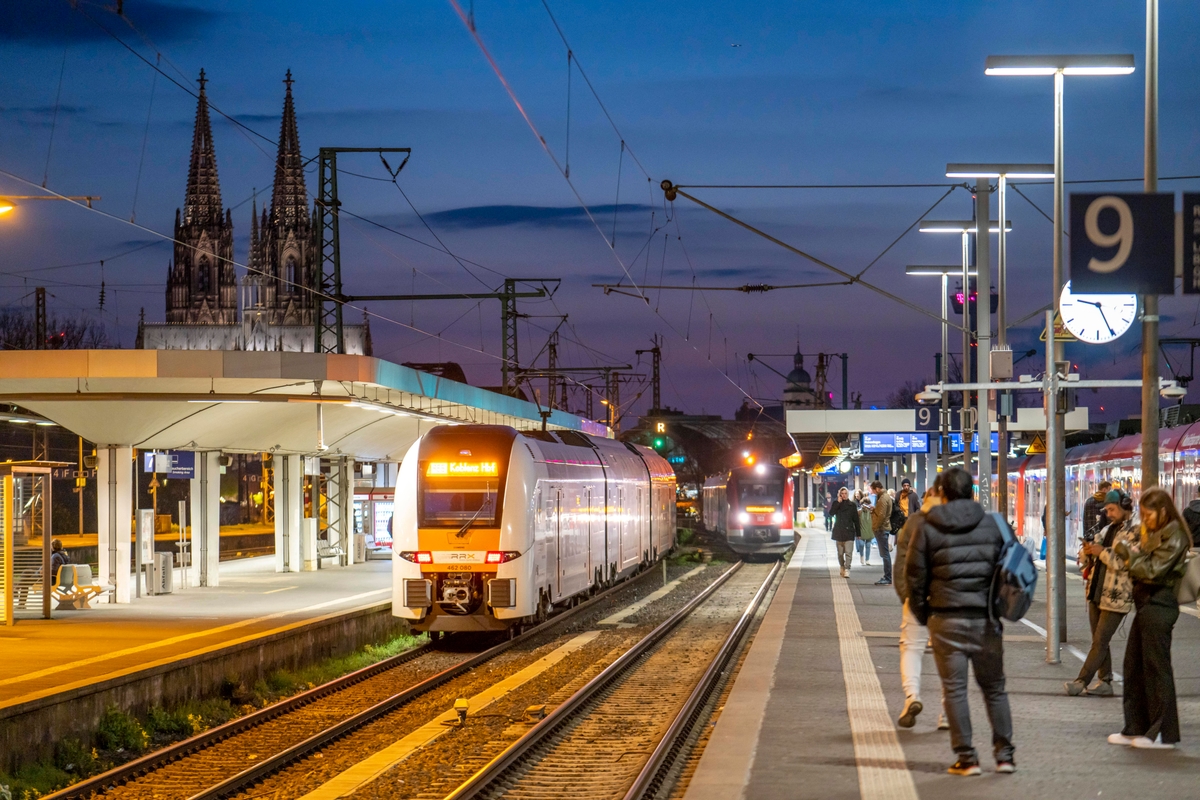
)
(642, 515)
(558, 544)
(588, 528)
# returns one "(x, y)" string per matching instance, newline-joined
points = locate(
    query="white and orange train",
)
(494, 526)
(1115, 460)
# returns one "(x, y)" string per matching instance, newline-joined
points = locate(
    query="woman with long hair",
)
(1156, 561)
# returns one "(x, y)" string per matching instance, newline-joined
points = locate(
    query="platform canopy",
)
(250, 402)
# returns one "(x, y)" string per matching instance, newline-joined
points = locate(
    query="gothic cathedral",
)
(202, 286)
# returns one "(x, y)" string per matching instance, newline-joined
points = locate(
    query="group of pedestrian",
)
(946, 556)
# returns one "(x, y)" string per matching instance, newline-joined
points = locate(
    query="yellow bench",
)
(75, 587)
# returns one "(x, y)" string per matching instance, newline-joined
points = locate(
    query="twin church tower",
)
(272, 306)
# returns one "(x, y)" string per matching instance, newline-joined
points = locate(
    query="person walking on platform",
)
(1109, 594)
(913, 635)
(1156, 562)
(908, 501)
(865, 536)
(949, 568)
(845, 529)
(828, 516)
(881, 526)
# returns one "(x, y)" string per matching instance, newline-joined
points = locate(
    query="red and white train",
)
(1115, 460)
(752, 507)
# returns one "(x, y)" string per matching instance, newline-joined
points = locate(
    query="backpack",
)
(1015, 578)
(1193, 522)
(896, 521)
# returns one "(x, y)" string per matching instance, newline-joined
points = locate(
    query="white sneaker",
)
(1143, 743)
(861, 560)
(843, 571)
(1120, 738)
(943, 723)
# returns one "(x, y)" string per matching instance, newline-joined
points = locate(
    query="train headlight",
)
(501, 556)
(743, 517)
(777, 518)
(417, 556)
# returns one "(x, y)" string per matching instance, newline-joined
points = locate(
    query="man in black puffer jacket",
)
(949, 568)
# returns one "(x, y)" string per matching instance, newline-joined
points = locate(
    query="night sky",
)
(702, 92)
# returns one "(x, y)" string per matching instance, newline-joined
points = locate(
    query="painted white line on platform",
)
(1070, 648)
(362, 773)
(41, 673)
(882, 768)
(658, 594)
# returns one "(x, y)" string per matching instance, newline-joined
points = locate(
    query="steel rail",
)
(498, 766)
(151, 761)
(148, 763)
(653, 775)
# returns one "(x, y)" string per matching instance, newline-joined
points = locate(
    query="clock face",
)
(1097, 318)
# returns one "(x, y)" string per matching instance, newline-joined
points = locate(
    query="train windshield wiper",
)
(485, 505)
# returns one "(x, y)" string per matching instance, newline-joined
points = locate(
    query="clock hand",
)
(1101, 310)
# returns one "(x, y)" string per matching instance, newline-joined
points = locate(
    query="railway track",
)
(223, 760)
(647, 701)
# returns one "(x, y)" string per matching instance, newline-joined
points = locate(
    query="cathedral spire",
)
(255, 244)
(289, 201)
(202, 203)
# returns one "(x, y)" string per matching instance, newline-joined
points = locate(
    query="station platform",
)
(812, 711)
(40, 658)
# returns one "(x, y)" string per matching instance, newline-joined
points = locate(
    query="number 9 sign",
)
(1123, 243)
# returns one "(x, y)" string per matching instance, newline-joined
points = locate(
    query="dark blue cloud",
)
(537, 216)
(51, 22)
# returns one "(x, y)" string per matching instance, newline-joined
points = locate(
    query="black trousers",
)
(1149, 698)
(960, 643)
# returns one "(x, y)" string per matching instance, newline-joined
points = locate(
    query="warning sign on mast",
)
(1061, 334)
(830, 449)
(1038, 447)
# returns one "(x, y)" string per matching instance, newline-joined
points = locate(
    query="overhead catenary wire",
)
(473, 31)
(237, 264)
(819, 262)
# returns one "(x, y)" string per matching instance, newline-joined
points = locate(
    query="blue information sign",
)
(172, 463)
(956, 443)
(873, 443)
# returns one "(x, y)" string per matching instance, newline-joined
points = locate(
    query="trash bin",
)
(162, 573)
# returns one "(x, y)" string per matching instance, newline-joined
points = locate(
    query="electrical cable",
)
(237, 264)
(550, 154)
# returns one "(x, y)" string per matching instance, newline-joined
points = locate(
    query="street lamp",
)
(8, 202)
(1056, 565)
(943, 367)
(965, 228)
(1001, 172)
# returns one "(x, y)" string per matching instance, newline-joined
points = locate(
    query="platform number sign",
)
(1123, 243)
(929, 418)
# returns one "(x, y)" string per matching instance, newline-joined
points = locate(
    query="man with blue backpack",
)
(958, 579)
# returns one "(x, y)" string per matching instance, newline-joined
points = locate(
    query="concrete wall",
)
(28, 731)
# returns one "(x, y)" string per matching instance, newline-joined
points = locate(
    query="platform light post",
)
(943, 368)
(1058, 66)
(983, 332)
(1001, 172)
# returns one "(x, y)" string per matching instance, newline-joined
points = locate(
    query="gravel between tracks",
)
(428, 767)
(598, 753)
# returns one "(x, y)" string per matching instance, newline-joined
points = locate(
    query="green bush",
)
(119, 731)
(684, 535)
(73, 756)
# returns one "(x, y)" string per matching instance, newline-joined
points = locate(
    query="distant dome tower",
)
(798, 392)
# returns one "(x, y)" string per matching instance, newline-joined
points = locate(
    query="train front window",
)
(760, 493)
(459, 501)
